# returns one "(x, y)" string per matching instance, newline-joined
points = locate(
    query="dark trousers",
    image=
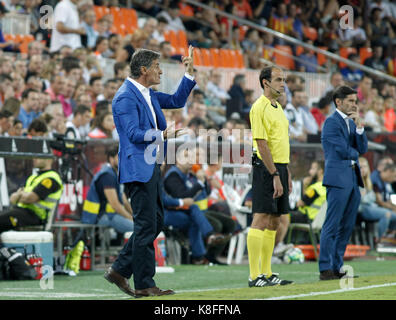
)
(342, 207)
(137, 257)
(16, 217)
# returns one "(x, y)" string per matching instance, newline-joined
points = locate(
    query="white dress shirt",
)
(146, 95)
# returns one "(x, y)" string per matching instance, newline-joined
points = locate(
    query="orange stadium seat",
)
(310, 33)
(182, 38)
(206, 57)
(225, 58)
(129, 19)
(345, 52)
(322, 59)
(171, 36)
(198, 60)
(299, 50)
(240, 59)
(116, 13)
(283, 60)
(182, 51)
(365, 53)
(215, 54)
(9, 37)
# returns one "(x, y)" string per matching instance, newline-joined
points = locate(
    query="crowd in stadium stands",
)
(50, 74)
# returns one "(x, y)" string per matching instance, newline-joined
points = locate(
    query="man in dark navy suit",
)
(142, 129)
(343, 140)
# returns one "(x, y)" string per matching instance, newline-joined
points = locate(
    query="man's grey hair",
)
(142, 58)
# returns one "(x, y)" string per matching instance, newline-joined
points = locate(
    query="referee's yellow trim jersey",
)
(270, 123)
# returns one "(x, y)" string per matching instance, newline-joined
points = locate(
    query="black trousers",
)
(16, 217)
(137, 257)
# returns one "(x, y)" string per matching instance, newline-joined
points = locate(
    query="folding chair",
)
(313, 228)
(235, 201)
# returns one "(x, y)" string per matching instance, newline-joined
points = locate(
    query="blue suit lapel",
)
(140, 97)
(343, 124)
(161, 121)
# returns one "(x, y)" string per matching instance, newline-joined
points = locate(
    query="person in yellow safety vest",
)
(31, 204)
(313, 198)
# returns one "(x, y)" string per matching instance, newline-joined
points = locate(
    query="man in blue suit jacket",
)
(343, 140)
(142, 130)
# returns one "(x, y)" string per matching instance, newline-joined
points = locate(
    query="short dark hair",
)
(266, 73)
(93, 79)
(81, 109)
(70, 63)
(196, 122)
(102, 106)
(118, 66)
(38, 125)
(342, 92)
(142, 58)
(5, 114)
(111, 151)
(25, 94)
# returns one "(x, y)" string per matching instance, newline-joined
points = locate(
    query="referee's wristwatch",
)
(276, 173)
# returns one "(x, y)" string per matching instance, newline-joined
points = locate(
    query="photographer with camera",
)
(31, 204)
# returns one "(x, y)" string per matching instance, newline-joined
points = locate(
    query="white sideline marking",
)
(312, 294)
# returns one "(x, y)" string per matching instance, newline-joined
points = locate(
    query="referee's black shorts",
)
(263, 190)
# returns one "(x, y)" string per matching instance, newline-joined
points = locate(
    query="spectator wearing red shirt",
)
(321, 112)
(243, 9)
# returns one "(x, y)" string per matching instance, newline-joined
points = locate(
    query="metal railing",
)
(296, 42)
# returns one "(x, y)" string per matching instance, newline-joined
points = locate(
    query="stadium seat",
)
(129, 19)
(310, 33)
(322, 59)
(240, 59)
(182, 38)
(9, 37)
(226, 58)
(345, 52)
(182, 51)
(99, 11)
(171, 36)
(206, 57)
(215, 54)
(365, 53)
(314, 228)
(282, 60)
(198, 59)
(299, 50)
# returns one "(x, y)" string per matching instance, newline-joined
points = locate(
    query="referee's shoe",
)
(260, 281)
(277, 281)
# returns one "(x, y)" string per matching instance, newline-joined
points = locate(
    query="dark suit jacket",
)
(340, 148)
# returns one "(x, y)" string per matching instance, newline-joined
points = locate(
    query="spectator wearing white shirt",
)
(67, 29)
(296, 122)
(215, 93)
(310, 125)
(158, 33)
(175, 23)
(81, 117)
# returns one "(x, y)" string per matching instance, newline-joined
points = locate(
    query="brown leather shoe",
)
(154, 291)
(121, 282)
